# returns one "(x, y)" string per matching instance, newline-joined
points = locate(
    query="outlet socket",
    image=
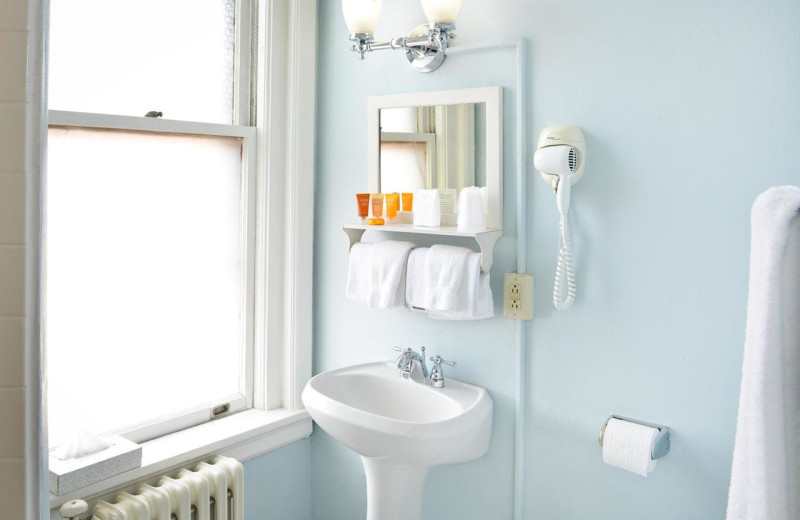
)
(518, 296)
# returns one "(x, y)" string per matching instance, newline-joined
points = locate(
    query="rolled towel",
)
(445, 267)
(471, 215)
(358, 272)
(387, 287)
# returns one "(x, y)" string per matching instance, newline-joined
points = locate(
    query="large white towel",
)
(445, 267)
(765, 478)
(387, 286)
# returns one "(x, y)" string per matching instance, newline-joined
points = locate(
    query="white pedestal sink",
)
(400, 428)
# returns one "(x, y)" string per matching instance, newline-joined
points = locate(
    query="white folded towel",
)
(415, 277)
(358, 272)
(765, 477)
(387, 286)
(479, 308)
(445, 267)
(473, 295)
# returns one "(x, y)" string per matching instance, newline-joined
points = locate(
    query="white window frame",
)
(243, 399)
(282, 142)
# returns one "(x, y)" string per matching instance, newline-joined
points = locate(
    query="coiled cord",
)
(564, 269)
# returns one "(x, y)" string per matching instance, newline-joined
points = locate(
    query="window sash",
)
(242, 400)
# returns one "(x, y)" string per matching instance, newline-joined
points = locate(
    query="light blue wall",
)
(689, 110)
(276, 485)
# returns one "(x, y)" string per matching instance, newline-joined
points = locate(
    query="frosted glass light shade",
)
(441, 10)
(361, 16)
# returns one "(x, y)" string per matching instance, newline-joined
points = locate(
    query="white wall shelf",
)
(485, 239)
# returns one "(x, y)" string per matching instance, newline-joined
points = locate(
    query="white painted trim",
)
(300, 233)
(286, 118)
(407, 137)
(165, 425)
(148, 124)
(242, 69)
(492, 96)
(243, 436)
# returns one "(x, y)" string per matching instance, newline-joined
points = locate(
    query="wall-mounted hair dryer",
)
(560, 158)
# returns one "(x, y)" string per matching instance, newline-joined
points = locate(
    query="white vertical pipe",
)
(522, 247)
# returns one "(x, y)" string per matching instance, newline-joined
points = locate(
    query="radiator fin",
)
(188, 495)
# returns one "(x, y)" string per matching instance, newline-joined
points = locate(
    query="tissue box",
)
(68, 475)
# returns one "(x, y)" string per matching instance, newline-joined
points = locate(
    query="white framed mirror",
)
(448, 140)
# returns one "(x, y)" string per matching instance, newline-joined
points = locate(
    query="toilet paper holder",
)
(661, 443)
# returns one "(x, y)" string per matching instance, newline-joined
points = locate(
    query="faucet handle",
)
(437, 361)
(401, 349)
(437, 375)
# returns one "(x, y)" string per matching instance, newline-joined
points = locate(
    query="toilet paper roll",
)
(628, 445)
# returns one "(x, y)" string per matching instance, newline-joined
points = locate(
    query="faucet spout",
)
(410, 363)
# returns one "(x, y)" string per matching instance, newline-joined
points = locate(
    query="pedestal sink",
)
(400, 428)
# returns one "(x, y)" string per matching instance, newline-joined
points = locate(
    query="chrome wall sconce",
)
(425, 46)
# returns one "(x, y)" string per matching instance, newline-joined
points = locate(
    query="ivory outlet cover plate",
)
(518, 296)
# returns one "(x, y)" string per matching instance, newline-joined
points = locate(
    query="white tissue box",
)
(68, 475)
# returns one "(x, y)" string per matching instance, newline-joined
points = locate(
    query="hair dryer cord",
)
(565, 269)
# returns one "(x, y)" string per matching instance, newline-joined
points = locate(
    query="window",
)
(149, 221)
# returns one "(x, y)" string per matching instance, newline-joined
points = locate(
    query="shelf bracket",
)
(354, 235)
(486, 242)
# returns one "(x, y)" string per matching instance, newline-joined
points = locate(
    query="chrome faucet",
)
(410, 363)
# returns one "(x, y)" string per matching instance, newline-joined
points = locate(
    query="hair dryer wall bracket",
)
(562, 135)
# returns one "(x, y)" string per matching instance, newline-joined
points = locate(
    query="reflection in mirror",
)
(440, 146)
(446, 140)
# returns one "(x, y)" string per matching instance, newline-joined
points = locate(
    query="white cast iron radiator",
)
(209, 492)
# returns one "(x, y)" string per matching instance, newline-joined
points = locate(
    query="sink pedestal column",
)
(394, 492)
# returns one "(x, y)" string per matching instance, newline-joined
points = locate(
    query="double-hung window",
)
(149, 206)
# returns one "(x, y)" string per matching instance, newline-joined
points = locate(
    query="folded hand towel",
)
(765, 477)
(474, 295)
(445, 267)
(415, 277)
(358, 272)
(387, 285)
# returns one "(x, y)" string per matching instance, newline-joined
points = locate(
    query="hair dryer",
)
(560, 159)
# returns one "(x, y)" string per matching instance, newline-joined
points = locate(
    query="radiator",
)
(209, 492)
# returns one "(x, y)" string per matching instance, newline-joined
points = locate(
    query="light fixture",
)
(425, 46)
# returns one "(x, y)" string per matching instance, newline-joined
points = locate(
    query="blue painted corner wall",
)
(689, 109)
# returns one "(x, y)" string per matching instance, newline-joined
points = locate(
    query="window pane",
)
(129, 57)
(143, 276)
(403, 166)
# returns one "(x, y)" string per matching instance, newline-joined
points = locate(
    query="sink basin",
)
(400, 428)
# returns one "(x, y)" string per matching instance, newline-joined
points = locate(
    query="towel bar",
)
(485, 239)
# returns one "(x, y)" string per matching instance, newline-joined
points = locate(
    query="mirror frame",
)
(492, 96)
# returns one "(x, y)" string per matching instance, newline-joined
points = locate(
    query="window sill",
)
(243, 436)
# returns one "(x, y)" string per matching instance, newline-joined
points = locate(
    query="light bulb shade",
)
(441, 10)
(361, 16)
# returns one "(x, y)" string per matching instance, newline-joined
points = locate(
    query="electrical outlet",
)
(518, 296)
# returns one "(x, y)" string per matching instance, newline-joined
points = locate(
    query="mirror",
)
(440, 146)
(447, 140)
